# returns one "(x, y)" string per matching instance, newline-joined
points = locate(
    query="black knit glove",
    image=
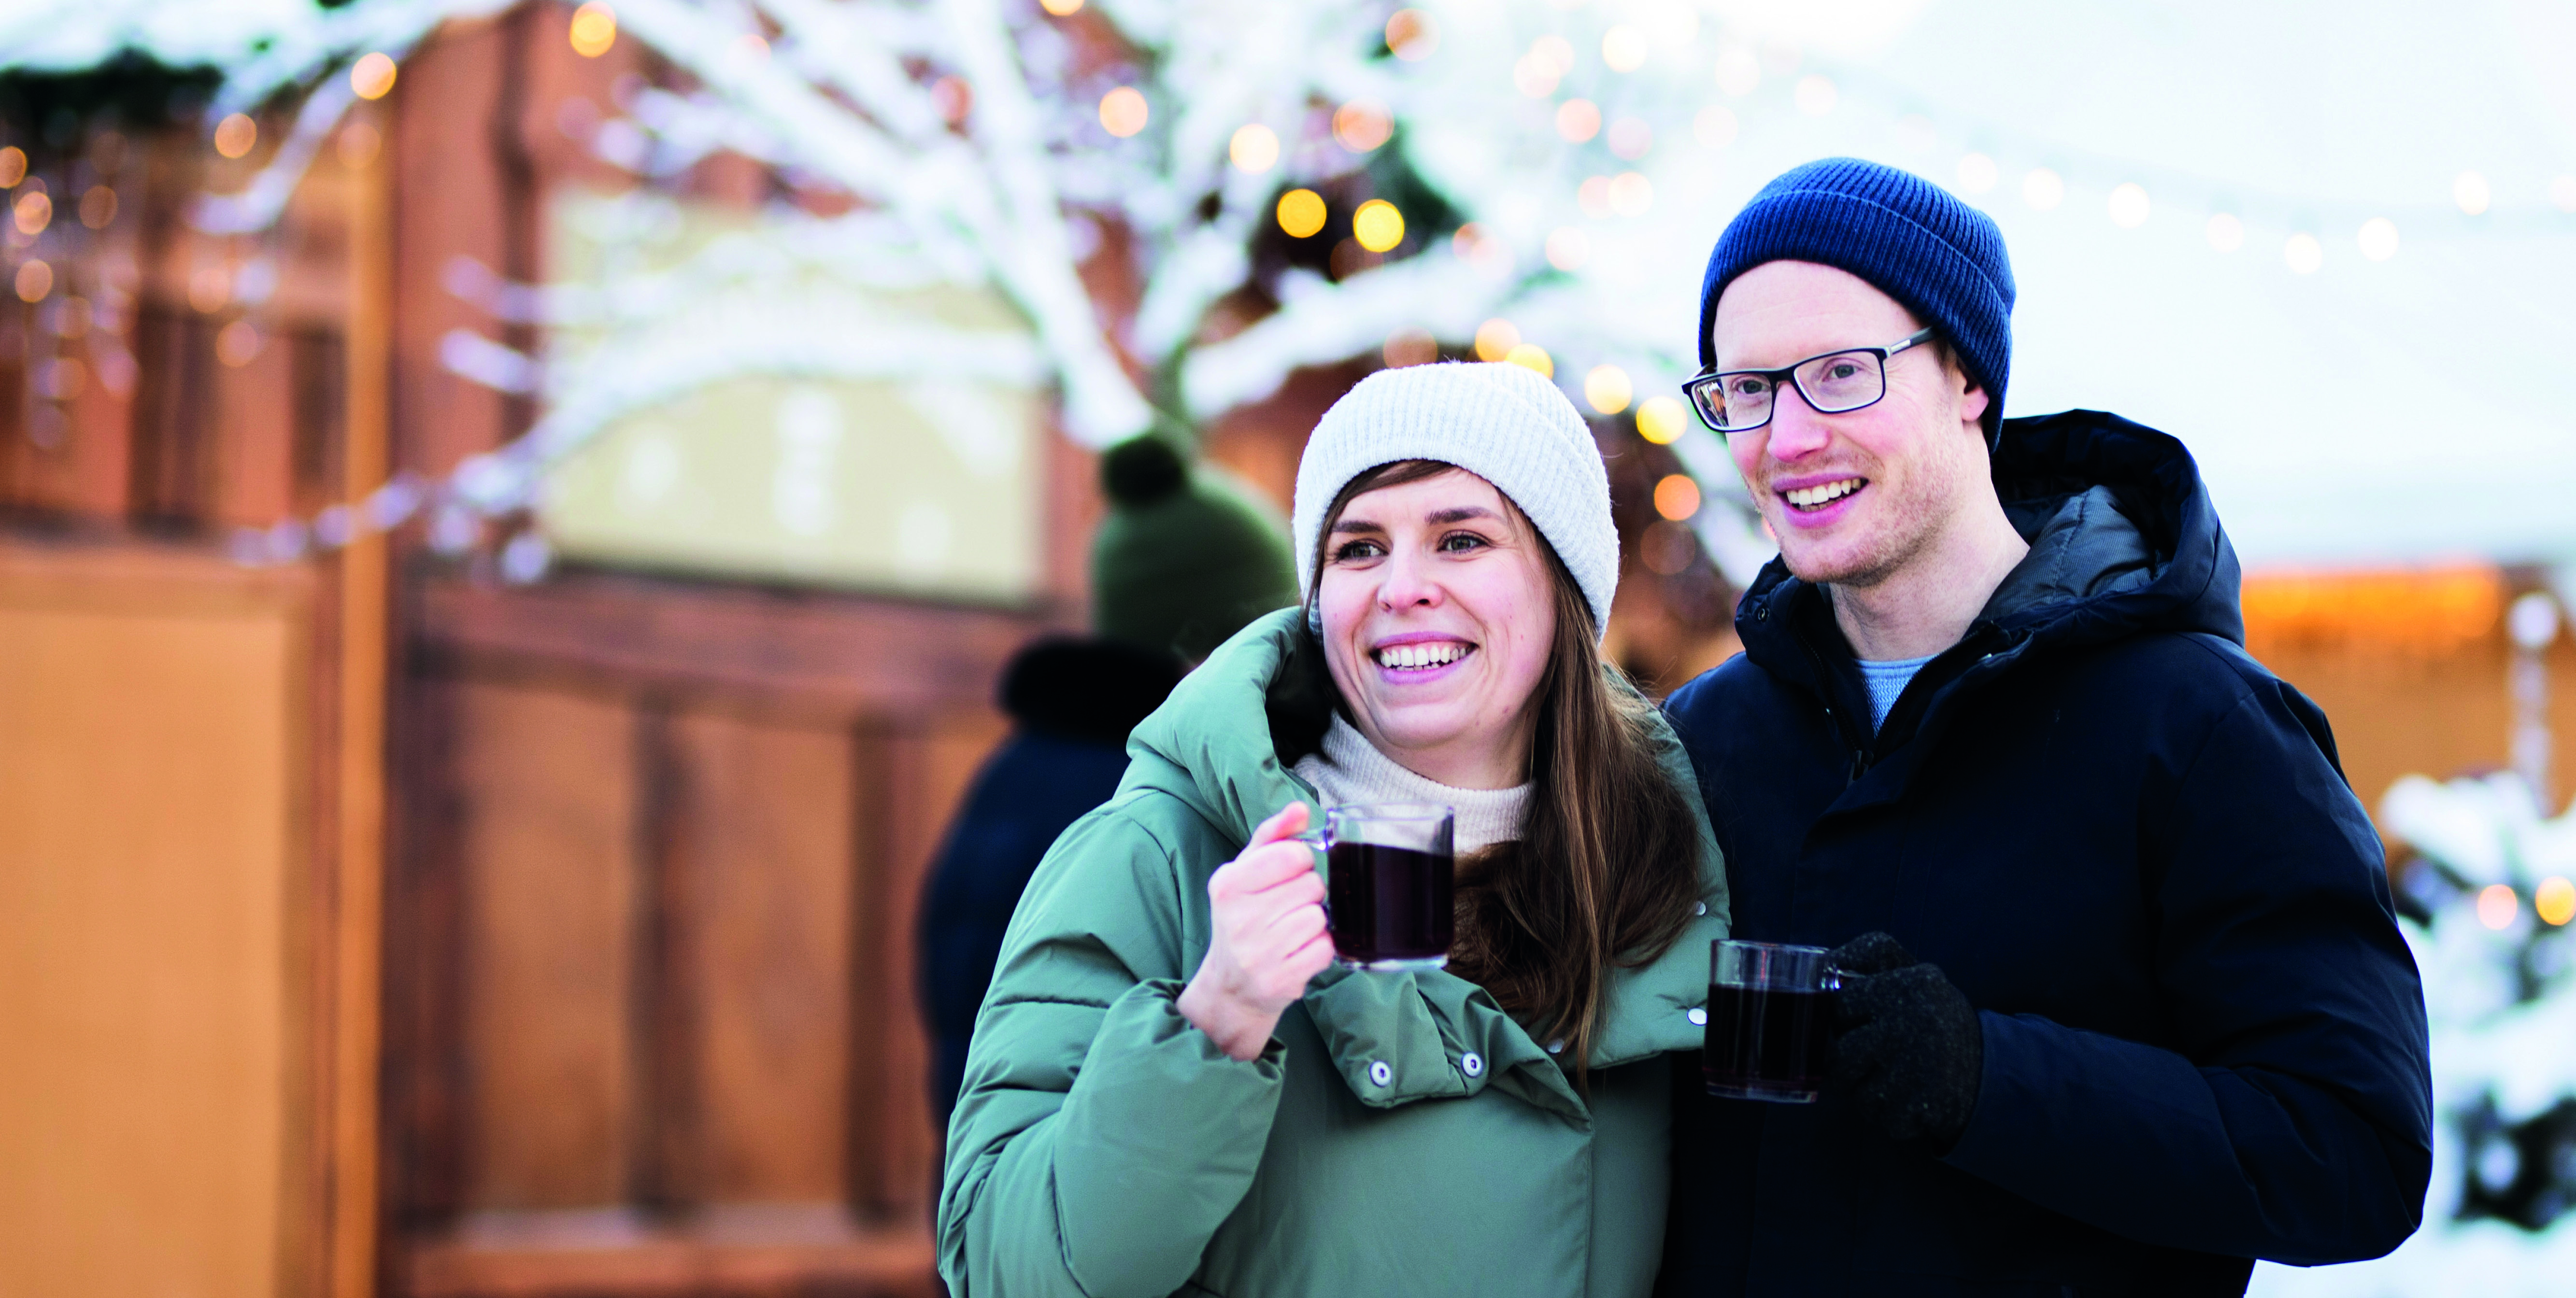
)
(1908, 1051)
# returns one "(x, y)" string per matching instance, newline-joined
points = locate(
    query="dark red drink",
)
(1765, 1043)
(1391, 904)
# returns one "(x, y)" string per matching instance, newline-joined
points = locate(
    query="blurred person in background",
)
(1172, 1088)
(2125, 1005)
(1182, 561)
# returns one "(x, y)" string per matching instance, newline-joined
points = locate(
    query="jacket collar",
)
(1210, 746)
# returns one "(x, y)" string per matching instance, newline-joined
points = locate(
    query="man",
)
(2127, 1007)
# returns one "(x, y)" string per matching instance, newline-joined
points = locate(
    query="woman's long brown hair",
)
(1607, 865)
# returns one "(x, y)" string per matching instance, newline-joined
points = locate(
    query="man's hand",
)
(1908, 1051)
(1268, 938)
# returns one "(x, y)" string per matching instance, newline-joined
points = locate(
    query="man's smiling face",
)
(1850, 497)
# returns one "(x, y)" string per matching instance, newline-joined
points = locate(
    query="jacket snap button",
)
(1698, 1017)
(1472, 1064)
(1556, 1047)
(1381, 1073)
(1699, 908)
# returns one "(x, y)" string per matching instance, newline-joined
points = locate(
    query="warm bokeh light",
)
(1410, 347)
(1490, 256)
(1677, 497)
(1362, 125)
(2425, 613)
(1978, 173)
(35, 280)
(1568, 248)
(1738, 72)
(1625, 48)
(2225, 232)
(1662, 420)
(594, 29)
(1301, 213)
(1667, 547)
(2497, 905)
(1593, 196)
(1608, 390)
(237, 344)
(1123, 111)
(1714, 126)
(1578, 120)
(358, 144)
(1496, 338)
(210, 288)
(2554, 901)
(33, 211)
(1061, 8)
(1411, 35)
(13, 166)
(1254, 149)
(98, 207)
(2043, 189)
(1378, 226)
(235, 135)
(2303, 254)
(2471, 192)
(372, 76)
(1815, 95)
(2129, 206)
(1631, 193)
(1630, 138)
(2378, 238)
(1531, 356)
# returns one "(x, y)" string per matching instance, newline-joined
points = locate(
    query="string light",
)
(1531, 356)
(2554, 901)
(1662, 420)
(1378, 225)
(1496, 338)
(98, 207)
(2224, 232)
(2128, 206)
(2043, 189)
(1362, 125)
(1677, 497)
(594, 29)
(1608, 389)
(2470, 191)
(235, 135)
(2303, 254)
(1624, 48)
(1631, 193)
(1568, 248)
(372, 76)
(1123, 111)
(1978, 173)
(1411, 35)
(35, 280)
(1061, 8)
(1254, 149)
(1593, 197)
(13, 166)
(2497, 905)
(33, 211)
(1301, 213)
(2378, 238)
(1815, 95)
(1578, 120)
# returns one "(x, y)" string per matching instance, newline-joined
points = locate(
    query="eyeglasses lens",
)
(1844, 381)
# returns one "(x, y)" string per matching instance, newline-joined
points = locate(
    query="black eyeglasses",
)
(1739, 401)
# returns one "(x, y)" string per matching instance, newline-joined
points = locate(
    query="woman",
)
(1172, 1089)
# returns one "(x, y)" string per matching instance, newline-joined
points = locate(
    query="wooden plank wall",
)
(652, 1024)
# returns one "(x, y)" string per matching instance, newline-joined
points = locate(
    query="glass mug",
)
(1390, 877)
(1767, 1021)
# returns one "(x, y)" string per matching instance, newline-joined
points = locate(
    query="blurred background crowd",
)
(556, 560)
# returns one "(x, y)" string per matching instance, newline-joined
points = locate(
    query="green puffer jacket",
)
(1400, 1135)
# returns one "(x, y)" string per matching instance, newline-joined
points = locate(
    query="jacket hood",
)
(2123, 537)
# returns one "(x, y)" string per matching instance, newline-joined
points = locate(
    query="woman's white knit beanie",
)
(1502, 422)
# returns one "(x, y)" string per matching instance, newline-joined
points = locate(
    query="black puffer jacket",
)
(2132, 848)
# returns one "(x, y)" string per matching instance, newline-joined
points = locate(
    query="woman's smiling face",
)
(1438, 621)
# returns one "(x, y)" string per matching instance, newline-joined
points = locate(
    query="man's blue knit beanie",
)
(1912, 240)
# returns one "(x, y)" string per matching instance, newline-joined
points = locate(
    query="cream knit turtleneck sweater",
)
(1351, 769)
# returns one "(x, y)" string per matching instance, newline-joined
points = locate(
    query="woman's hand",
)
(1268, 938)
